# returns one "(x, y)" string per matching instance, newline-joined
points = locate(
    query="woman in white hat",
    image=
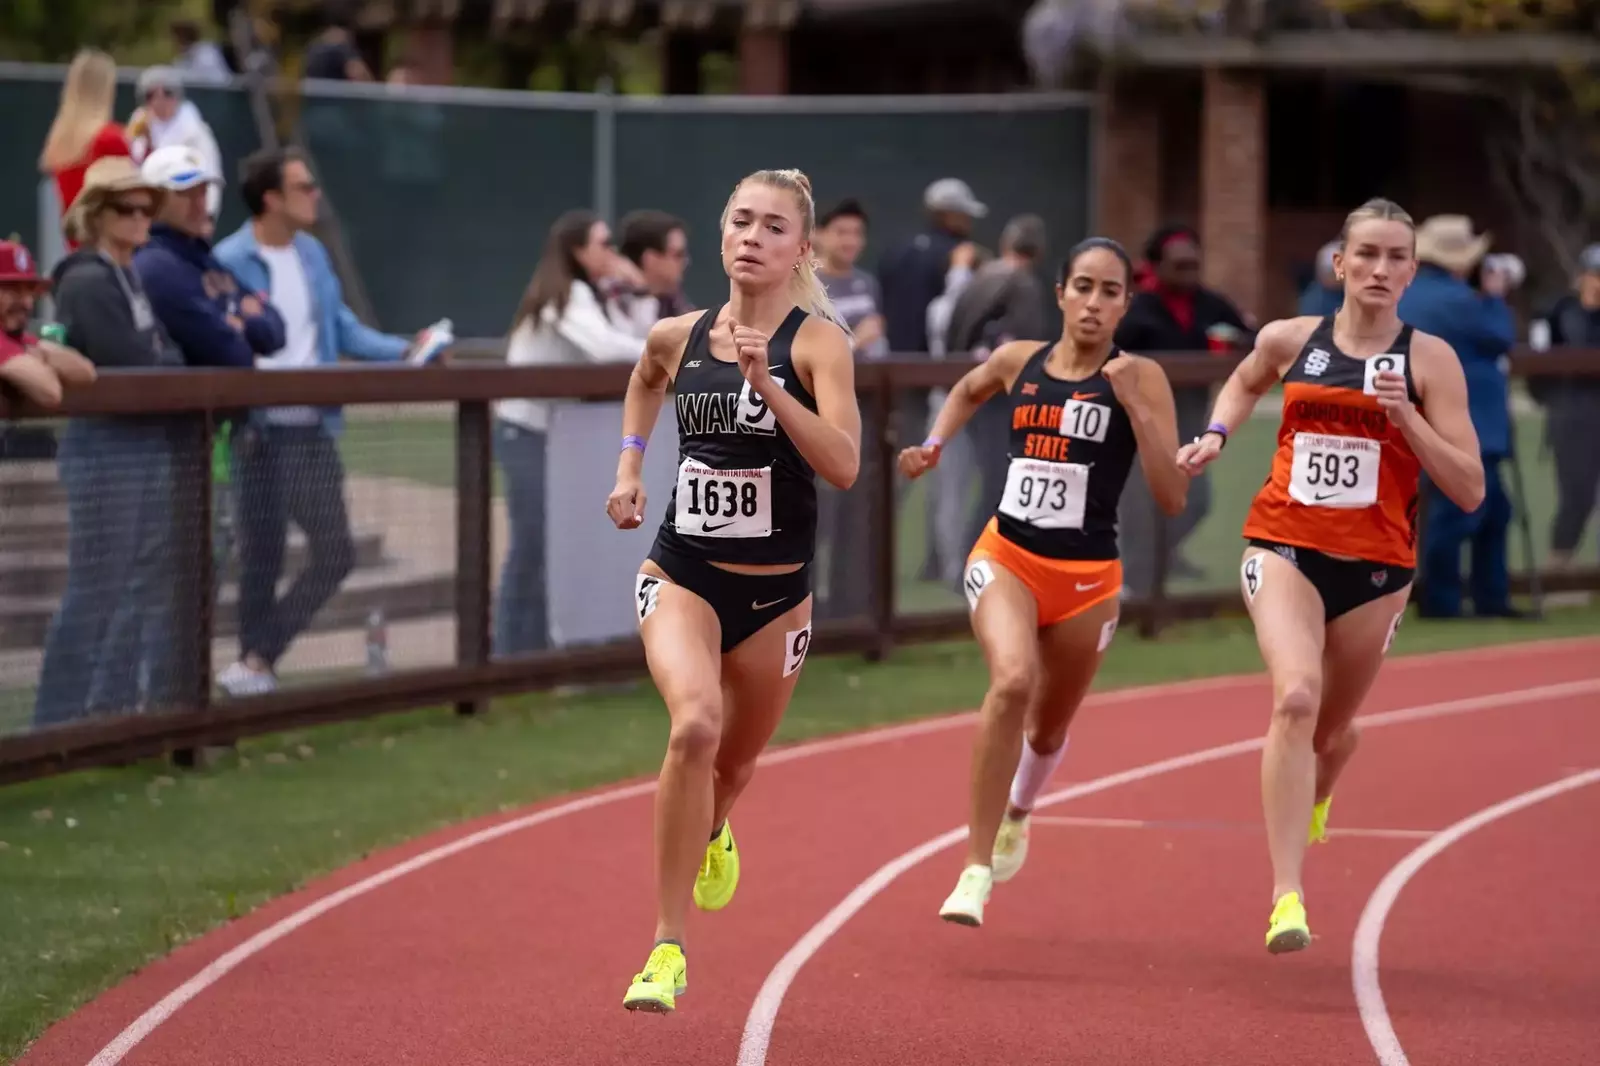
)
(117, 470)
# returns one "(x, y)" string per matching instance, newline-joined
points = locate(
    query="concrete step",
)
(402, 593)
(33, 560)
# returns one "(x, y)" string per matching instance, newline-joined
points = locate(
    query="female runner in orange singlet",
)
(1044, 578)
(1368, 403)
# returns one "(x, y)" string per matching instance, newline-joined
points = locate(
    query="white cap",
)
(178, 167)
(953, 194)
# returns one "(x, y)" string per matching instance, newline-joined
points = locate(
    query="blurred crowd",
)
(147, 282)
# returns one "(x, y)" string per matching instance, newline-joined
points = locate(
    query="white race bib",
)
(723, 503)
(1333, 471)
(1393, 362)
(1085, 421)
(1045, 494)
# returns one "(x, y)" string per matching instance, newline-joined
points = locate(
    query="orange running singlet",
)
(1344, 480)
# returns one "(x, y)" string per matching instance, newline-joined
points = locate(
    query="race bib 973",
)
(723, 503)
(1044, 494)
(1334, 471)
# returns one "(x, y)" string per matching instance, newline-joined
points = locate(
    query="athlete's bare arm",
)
(992, 376)
(1277, 346)
(641, 406)
(1443, 439)
(1147, 398)
(830, 438)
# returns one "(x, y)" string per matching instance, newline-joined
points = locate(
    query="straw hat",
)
(1448, 241)
(104, 179)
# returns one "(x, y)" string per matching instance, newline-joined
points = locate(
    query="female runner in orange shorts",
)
(1368, 402)
(1044, 578)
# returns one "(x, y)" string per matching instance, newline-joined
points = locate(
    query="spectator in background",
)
(561, 321)
(199, 60)
(286, 461)
(1004, 301)
(1480, 327)
(657, 246)
(36, 369)
(117, 471)
(844, 519)
(911, 276)
(332, 55)
(166, 119)
(949, 484)
(1323, 295)
(1572, 410)
(83, 130)
(1174, 313)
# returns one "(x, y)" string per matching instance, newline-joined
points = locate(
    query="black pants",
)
(1573, 431)
(284, 474)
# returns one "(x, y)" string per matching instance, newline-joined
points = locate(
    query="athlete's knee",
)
(696, 731)
(1297, 703)
(1012, 684)
(1340, 738)
(733, 777)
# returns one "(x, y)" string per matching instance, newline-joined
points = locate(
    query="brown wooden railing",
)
(476, 379)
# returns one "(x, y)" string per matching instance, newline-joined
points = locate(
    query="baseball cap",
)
(953, 194)
(177, 167)
(1589, 260)
(16, 265)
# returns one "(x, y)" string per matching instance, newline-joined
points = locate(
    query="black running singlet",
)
(744, 493)
(1071, 447)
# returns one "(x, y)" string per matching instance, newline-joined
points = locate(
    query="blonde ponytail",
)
(805, 288)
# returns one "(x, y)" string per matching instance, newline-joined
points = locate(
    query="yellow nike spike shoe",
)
(1010, 848)
(964, 906)
(1287, 929)
(719, 873)
(1319, 822)
(664, 978)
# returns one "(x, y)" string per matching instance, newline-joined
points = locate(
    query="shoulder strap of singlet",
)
(1034, 365)
(1402, 341)
(701, 333)
(783, 337)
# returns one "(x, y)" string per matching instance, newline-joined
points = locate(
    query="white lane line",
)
(764, 1011)
(1369, 930)
(1213, 825)
(169, 1004)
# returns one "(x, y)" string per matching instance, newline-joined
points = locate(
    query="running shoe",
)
(719, 873)
(964, 906)
(1010, 847)
(664, 978)
(1319, 822)
(1287, 929)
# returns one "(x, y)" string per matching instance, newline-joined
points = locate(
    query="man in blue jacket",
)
(286, 459)
(1480, 327)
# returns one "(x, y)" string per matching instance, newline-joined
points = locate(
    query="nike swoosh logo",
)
(1084, 395)
(709, 528)
(754, 606)
(1086, 588)
(1326, 495)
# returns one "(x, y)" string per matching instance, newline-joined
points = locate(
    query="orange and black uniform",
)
(1071, 446)
(1341, 501)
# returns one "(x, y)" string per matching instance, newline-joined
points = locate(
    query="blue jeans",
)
(109, 647)
(1446, 529)
(521, 624)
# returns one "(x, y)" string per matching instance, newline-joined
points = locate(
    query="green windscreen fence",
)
(446, 196)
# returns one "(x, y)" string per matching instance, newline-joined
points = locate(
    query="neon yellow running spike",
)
(664, 978)
(1319, 822)
(1287, 929)
(719, 873)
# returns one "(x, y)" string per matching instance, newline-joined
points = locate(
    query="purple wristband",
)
(933, 442)
(1219, 429)
(630, 441)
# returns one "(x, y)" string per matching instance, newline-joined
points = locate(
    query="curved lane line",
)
(1364, 954)
(763, 1014)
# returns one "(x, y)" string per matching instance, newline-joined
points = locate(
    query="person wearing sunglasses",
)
(103, 653)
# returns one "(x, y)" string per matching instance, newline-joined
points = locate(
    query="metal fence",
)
(121, 655)
(446, 195)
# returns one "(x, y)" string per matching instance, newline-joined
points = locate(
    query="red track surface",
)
(1116, 945)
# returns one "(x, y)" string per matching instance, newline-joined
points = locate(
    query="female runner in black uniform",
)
(1044, 579)
(765, 397)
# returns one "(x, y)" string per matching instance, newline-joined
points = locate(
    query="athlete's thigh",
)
(682, 644)
(1287, 613)
(1071, 651)
(1356, 644)
(758, 679)
(1005, 619)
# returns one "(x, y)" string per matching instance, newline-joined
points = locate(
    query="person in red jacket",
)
(83, 130)
(36, 369)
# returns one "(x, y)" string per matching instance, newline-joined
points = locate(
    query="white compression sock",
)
(1033, 770)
